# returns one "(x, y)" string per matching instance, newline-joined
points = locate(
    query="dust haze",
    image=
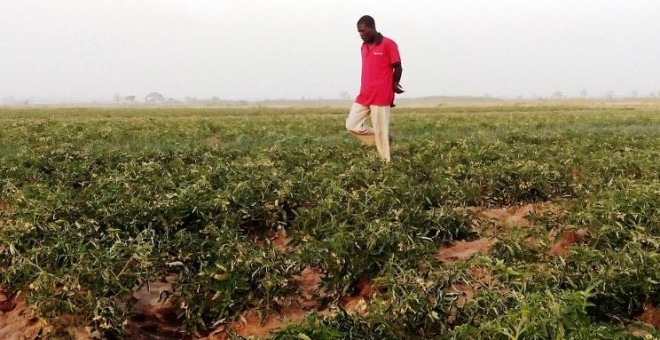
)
(264, 50)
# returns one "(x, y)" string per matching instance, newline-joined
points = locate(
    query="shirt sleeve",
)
(393, 51)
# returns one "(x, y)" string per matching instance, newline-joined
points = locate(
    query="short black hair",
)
(368, 21)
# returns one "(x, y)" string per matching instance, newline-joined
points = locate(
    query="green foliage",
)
(542, 315)
(97, 202)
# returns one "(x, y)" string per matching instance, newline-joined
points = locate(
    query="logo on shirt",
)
(378, 53)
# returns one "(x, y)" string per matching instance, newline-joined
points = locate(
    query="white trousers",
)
(378, 133)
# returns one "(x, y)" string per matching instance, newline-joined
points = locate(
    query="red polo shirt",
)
(377, 61)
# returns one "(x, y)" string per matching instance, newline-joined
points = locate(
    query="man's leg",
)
(380, 119)
(355, 124)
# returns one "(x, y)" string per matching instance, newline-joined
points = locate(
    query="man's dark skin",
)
(369, 35)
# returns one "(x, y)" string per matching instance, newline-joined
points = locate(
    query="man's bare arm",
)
(396, 77)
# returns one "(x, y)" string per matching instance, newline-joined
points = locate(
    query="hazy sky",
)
(267, 49)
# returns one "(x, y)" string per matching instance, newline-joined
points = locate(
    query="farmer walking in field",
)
(381, 73)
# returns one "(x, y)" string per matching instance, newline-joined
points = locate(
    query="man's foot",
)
(367, 140)
(390, 138)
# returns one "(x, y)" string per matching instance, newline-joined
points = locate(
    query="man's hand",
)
(397, 88)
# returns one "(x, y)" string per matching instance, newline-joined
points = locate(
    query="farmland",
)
(500, 221)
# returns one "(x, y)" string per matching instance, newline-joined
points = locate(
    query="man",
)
(381, 73)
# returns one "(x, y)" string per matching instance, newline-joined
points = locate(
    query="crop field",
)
(502, 221)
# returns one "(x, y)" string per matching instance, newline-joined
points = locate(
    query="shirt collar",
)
(377, 39)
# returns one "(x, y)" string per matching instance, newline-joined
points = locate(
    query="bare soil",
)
(5, 207)
(650, 316)
(294, 308)
(489, 222)
(568, 238)
(18, 322)
(155, 316)
(463, 250)
(280, 240)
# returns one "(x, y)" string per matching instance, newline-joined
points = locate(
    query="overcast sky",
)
(267, 49)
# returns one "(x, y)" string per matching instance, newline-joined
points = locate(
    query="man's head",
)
(367, 28)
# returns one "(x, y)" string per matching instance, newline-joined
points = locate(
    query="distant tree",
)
(558, 95)
(154, 97)
(652, 94)
(609, 94)
(634, 94)
(584, 93)
(343, 95)
(124, 99)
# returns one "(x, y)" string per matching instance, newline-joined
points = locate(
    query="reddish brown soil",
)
(508, 217)
(277, 239)
(308, 283)
(650, 316)
(263, 326)
(358, 303)
(5, 207)
(576, 173)
(253, 324)
(257, 323)
(463, 250)
(568, 238)
(280, 240)
(461, 293)
(481, 276)
(155, 317)
(18, 322)
(489, 221)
